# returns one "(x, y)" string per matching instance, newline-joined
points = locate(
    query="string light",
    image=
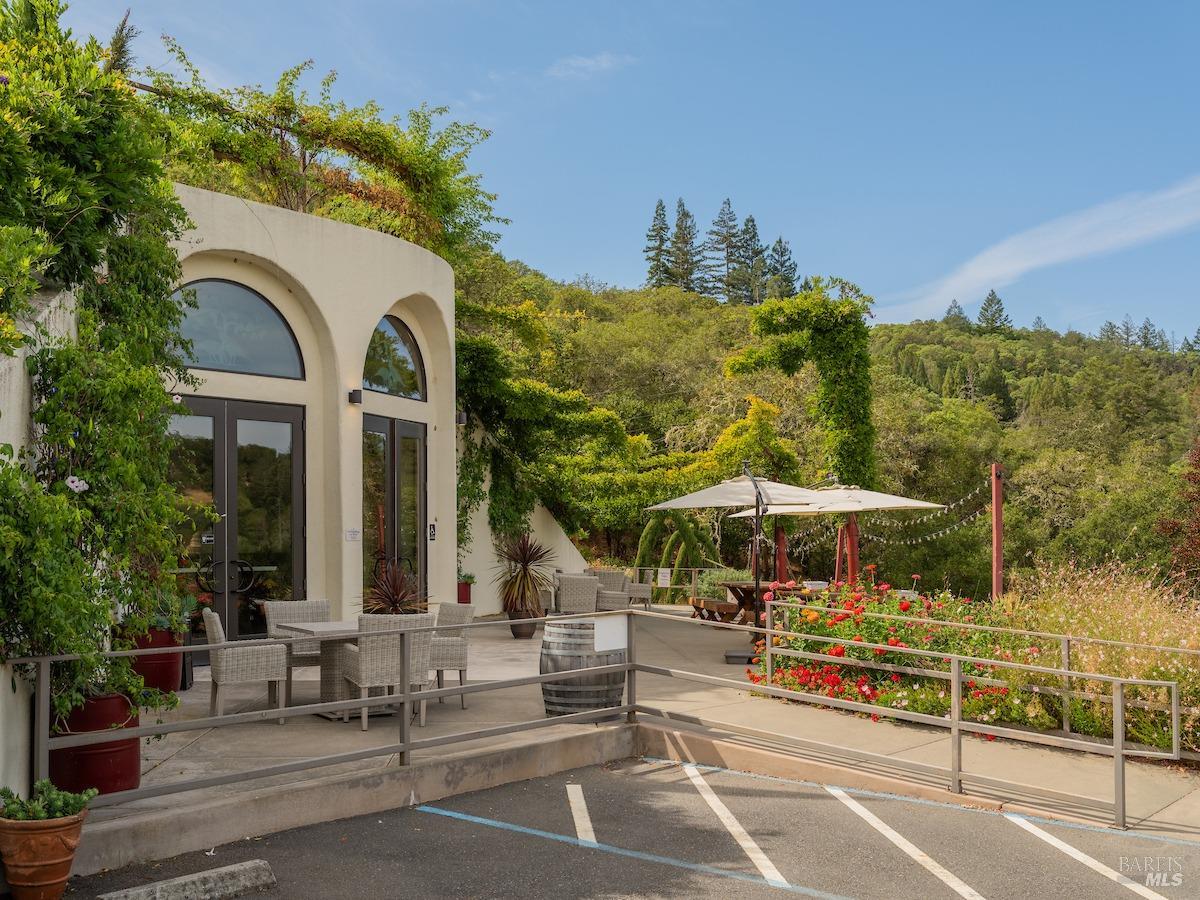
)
(925, 538)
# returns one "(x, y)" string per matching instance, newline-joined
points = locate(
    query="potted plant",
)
(521, 579)
(164, 671)
(465, 580)
(395, 591)
(38, 838)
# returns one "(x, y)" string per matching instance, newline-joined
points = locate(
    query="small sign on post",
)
(664, 578)
(610, 633)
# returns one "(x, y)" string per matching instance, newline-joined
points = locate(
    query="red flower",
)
(905, 606)
(916, 577)
(896, 677)
(892, 642)
(857, 637)
(836, 650)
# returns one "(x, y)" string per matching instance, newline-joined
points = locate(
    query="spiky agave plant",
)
(522, 573)
(394, 591)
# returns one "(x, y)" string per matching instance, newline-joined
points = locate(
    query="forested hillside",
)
(1092, 431)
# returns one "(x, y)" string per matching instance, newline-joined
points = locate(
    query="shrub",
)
(46, 802)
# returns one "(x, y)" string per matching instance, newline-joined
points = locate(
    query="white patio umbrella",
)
(849, 500)
(744, 490)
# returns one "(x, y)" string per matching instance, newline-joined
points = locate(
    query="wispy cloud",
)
(1123, 222)
(588, 66)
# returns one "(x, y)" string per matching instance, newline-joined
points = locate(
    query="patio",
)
(1161, 798)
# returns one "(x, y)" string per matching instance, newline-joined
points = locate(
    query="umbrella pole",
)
(837, 553)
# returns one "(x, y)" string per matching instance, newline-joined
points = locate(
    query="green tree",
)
(750, 274)
(687, 263)
(955, 317)
(721, 249)
(781, 270)
(992, 317)
(1109, 333)
(658, 269)
(825, 325)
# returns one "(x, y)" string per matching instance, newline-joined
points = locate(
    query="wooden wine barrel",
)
(567, 646)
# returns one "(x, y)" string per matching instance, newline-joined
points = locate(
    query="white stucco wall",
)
(333, 283)
(55, 313)
(479, 558)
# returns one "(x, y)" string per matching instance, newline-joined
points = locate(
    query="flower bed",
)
(844, 616)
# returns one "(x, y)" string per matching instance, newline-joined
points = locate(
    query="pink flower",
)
(770, 595)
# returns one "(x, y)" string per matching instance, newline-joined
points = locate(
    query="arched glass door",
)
(393, 497)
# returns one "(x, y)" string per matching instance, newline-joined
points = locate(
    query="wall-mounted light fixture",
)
(356, 396)
(460, 418)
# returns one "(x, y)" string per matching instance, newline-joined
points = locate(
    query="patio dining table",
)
(333, 685)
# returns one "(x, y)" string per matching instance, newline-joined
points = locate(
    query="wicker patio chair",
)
(300, 653)
(577, 594)
(614, 581)
(375, 661)
(241, 665)
(449, 645)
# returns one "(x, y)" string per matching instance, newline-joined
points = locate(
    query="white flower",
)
(78, 485)
(175, 398)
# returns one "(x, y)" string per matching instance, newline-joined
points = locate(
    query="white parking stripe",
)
(579, 812)
(1093, 864)
(931, 865)
(734, 827)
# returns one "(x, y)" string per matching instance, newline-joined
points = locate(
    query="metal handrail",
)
(405, 700)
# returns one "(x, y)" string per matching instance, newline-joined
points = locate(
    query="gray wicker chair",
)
(375, 661)
(449, 646)
(614, 582)
(300, 653)
(241, 665)
(577, 594)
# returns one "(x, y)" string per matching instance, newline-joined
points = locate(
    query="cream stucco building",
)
(321, 425)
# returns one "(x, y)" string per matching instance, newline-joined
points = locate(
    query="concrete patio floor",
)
(1164, 798)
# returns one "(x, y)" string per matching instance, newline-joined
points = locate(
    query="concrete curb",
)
(214, 884)
(160, 833)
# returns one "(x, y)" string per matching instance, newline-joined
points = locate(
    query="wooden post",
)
(851, 548)
(781, 559)
(997, 530)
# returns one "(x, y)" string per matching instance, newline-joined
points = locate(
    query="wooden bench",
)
(714, 610)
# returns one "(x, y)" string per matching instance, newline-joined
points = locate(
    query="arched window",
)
(235, 329)
(393, 361)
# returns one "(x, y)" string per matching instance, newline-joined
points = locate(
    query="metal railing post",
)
(631, 661)
(770, 641)
(1066, 684)
(406, 695)
(1119, 753)
(41, 722)
(955, 725)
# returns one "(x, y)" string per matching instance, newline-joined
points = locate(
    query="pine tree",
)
(658, 272)
(1186, 346)
(750, 275)
(992, 383)
(1147, 336)
(992, 317)
(781, 270)
(1128, 333)
(686, 260)
(955, 317)
(1109, 332)
(1039, 324)
(720, 252)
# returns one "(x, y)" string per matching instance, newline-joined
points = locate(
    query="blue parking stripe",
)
(631, 854)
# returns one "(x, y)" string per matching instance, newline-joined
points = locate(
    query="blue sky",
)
(924, 150)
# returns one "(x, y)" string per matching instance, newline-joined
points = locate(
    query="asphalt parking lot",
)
(650, 828)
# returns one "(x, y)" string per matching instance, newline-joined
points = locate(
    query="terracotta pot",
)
(161, 671)
(109, 766)
(38, 855)
(522, 630)
(464, 592)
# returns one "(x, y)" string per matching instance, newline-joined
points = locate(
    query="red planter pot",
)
(464, 592)
(162, 671)
(110, 766)
(38, 855)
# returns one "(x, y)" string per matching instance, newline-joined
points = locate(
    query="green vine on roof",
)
(824, 324)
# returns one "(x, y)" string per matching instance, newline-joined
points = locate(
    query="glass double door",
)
(246, 461)
(393, 498)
